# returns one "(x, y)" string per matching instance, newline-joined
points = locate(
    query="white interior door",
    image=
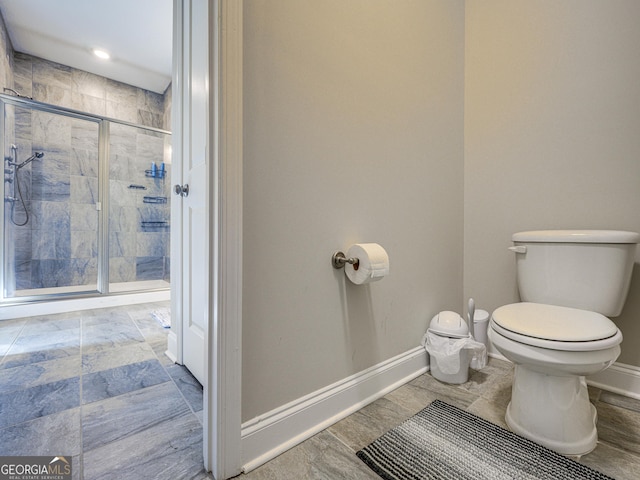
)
(193, 191)
(206, 242)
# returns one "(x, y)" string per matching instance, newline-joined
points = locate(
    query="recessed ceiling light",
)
(101, 53)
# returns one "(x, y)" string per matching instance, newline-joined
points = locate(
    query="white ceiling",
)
(137, 34)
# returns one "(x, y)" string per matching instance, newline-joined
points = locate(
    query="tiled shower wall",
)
(65, 86)
(60, 189)
(59, 246)
(6, 57)
(6, 79)
(139, 218)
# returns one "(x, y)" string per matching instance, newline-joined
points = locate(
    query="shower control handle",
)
(182, 190)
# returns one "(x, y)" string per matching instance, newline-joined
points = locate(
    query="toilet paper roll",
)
(373, 263)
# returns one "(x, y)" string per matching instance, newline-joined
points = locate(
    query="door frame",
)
(222, 392)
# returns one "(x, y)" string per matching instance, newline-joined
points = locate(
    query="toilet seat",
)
(555, 327)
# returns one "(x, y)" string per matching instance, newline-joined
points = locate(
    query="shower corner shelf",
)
(154, 200)
(154, 224)
(157, 174)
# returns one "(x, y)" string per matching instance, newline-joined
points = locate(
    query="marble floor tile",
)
(322, 457)
(364, 426)
(188, 385)
(143, 318)
(490, 411)
(452, 394)
(42, 347)
(619, 427)
(497, 389)
(9, 331)
(144, 310)
(617, 463)
(158, 342)
(116, 381)
(23, 405)
(100, 360)
(118, 417)
(52, 323)
(493, 381)
(106, 316)
(32, 374)
(55, 434)
(105, 336)
(412, 397)
(171, 450)
(152, 334)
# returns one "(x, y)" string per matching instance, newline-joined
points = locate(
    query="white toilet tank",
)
(585, 269)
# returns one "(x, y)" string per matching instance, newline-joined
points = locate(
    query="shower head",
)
(33, 157)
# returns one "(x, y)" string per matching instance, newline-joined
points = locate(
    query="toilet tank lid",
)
(577, 236)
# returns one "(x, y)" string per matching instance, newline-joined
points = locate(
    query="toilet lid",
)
(555, 323)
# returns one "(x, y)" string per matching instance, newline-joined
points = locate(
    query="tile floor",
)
(96, 385)
(331, 453)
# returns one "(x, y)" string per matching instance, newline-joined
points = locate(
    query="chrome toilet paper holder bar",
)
(338, 260)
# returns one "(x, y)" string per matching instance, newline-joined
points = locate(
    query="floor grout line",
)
(81, 433)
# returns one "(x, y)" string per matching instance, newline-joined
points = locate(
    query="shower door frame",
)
(102, 205)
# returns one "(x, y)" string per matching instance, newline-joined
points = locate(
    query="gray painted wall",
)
(353, 133)
(552, 134)
(353, 126)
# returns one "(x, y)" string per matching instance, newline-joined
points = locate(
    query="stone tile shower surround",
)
(65, 86)
(139, 219)
(58, 247)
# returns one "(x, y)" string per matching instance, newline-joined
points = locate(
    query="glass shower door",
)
(86, 203)
(51, 202)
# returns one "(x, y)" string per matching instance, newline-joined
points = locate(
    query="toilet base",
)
(553, 411)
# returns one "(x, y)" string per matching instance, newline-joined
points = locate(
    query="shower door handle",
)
(182, 190)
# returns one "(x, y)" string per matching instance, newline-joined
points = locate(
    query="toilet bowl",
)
(553, 349)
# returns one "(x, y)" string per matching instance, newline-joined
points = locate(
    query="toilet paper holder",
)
(338, 260)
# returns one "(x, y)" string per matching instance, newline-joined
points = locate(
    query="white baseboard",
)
(618, 378)
(268, 435)
(76, 304)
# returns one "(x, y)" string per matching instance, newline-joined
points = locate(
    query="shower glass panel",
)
(86, 204)
(139, 194)
(50, 200)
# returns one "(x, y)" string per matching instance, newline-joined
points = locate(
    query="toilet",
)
(569, 282)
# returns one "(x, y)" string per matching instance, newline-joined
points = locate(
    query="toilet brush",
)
(470, 315)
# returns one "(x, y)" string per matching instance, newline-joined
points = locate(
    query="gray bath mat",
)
(443, 442)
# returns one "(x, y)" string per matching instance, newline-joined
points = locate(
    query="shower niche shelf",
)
(154, 200)
(154, 224)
